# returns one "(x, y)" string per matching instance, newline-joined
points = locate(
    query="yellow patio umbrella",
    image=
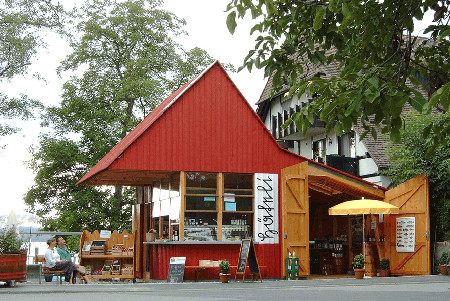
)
(363, 206)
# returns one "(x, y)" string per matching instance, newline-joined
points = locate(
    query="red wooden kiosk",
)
(208, 174)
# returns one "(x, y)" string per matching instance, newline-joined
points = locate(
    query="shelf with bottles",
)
(337, 243)
(372, 239)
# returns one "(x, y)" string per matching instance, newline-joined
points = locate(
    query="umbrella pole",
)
(364, 242)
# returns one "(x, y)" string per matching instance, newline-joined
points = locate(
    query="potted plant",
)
(385, 267)
(358, 266)
(88, 269)
(13, 259)
(224, 267)
(443, 263)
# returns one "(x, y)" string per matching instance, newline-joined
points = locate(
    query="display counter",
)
(158, 256)
(192, 242)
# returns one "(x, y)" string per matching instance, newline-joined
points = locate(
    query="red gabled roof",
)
(213, 112)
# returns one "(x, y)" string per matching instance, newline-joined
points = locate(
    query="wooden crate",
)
(126, 269)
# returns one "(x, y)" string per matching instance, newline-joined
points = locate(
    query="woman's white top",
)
(51, 257)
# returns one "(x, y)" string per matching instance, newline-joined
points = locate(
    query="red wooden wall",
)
(160, 258)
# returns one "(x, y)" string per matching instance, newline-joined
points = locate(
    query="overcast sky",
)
(207, 29)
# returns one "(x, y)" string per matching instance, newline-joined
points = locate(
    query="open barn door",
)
(412, 198)
(295, 227)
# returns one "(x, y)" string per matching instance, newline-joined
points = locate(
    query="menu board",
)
(247, 254)
(406, 234)
(242, 262)
(176, 269)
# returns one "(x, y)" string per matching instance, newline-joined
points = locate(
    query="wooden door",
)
(295, 227)
(412, 198)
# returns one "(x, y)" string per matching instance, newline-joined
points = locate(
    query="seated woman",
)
(54, 263)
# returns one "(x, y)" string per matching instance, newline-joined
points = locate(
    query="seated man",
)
(62, 249)
(64, 255)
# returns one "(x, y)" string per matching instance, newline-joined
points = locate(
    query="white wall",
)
(380, 180)
(366, 166)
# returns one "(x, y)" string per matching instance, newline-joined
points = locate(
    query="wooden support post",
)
(377, 237)
(183, 203)
(220, 186)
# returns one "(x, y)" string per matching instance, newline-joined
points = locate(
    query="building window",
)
(166, 204)
(346, 145)
(212, 206)
(200, 216)
(237, 220)
(320, 150)
(218, 206)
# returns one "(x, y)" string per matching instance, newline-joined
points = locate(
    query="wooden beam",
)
(220, 191)
(377, 236)
(183, 203)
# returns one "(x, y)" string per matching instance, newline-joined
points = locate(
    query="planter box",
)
(359, 273)
(13, 267)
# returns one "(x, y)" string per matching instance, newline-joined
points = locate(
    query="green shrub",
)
(224, 266)
(10, 241)
(73, 243)
(385, 265)
(444, 258)
(358, 262)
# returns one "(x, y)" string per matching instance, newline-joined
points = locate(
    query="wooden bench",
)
(198, 269)
(44, 271)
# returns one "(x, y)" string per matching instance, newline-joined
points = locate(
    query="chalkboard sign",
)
(176, 269)
(243, 255)
(247, 254)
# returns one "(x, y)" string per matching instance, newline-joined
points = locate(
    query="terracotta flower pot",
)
(385, 273)
(443, 269)
(224, 277)
(359, 273)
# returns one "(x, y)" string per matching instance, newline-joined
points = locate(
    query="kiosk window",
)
(218, 206)
(201, 191)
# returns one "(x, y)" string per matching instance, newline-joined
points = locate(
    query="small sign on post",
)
(176, 269)
(247, 254)
(105, 234)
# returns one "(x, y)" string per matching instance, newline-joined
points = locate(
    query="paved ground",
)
(393, 288)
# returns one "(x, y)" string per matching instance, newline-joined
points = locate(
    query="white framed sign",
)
(406, 234)
(105, 234)
(266, 208)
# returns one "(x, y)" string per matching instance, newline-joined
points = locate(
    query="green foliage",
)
(445, 258)
(358, 261)
(10, 108)
(409, 159)
(21, 25)
(10, 241)
(385, 265)
(375, 66)
(73, 243)
(127, 60)
(224, 266)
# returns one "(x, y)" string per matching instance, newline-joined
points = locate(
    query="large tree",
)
(128, 61)
(407, 160)
(372, 43)
(22, 23)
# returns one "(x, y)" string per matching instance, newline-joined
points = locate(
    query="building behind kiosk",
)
(208, 174)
